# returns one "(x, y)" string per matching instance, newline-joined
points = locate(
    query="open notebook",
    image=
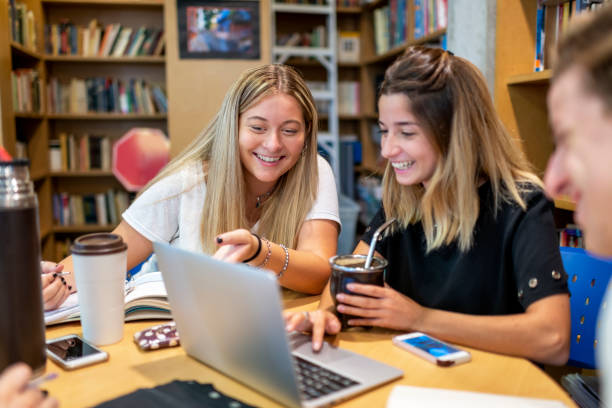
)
(145, 298)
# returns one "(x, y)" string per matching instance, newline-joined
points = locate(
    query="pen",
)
(37, 382)
(62, 273)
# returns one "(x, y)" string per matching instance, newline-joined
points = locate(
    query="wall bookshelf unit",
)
(35, 130)
(520, 92)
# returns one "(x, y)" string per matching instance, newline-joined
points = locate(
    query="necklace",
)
(261, 198)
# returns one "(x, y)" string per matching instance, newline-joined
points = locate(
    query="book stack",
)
(27, 91)
(94, 209)
(105, 95)
(87, 152)
(95, 40)
(22, 24)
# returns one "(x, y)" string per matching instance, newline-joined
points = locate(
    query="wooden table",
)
(129, 369)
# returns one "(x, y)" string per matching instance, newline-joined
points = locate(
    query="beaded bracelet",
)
(265, 261)
(256, 252)
(286, 262)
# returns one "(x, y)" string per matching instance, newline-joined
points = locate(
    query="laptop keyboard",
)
(315, 381)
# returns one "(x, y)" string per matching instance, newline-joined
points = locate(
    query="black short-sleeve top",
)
(514, 260)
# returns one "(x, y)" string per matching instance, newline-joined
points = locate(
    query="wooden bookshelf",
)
(106, 116)
(35, 130)
(109, 60)
(532, 78)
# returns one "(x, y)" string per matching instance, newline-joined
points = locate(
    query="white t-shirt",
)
(171, 209)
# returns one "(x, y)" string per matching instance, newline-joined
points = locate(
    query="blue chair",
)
(587, 280)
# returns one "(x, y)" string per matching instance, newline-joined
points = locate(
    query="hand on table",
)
(319, 322)
(381, 306)
(55, 290)
(15, 392)
(236, 246)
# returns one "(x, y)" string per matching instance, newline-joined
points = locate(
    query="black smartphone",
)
(72, 352)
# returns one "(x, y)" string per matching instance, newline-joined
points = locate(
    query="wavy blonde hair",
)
(450, 100)
(216, 149)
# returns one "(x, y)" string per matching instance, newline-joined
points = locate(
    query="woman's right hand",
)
(15, 392)
(319, 322)
(55, 290)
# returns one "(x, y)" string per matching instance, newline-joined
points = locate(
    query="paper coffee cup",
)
(100, 263)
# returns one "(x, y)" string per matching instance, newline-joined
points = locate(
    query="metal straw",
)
(375, 239)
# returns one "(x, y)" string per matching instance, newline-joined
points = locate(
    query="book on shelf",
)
(27, 90)
(80, 153)
(145, 298)
(348, 46)
(429, 16)
(22, 24)
(101, 209)
(348, 97)
(95, 40)
(552, 20)
(571, 236)
(105, 95)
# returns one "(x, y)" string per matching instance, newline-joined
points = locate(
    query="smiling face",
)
(404, 142)
(581, 165)
(271, 137)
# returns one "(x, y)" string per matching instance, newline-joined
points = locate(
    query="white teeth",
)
(267, 159)
(402, 165)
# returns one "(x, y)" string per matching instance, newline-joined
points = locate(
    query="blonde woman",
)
(475, 258)
(249, 188)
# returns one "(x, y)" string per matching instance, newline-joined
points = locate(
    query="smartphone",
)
(432, 349)
(72, 352)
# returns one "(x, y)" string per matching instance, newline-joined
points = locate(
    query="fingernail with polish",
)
(69, 287)
(63, 280)
(55, 275)
(219, 240)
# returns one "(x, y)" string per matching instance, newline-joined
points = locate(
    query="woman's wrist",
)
(257, 252)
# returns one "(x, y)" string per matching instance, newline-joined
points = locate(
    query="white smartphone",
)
(432, 349)
(72, 352)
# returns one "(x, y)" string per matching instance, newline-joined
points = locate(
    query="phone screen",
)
(431, 346)
(71, 348)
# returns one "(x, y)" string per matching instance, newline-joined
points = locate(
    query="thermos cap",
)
(98, 244)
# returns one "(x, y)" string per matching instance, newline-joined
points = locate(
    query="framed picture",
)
(218, 29)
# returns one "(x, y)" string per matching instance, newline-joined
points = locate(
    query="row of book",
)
(94, 40)
(348, 98)
(429, 16)
(97, 208)
(27, 90)
(316, 38)
(110, 95)
(22, 24)
(391, 27)
(80, 153)
(348, 3)
(552, 18)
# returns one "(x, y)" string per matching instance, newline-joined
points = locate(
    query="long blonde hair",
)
(216, 149)
(449, 98)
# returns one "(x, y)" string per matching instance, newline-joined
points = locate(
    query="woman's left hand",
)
(236, 246)
(381, 306)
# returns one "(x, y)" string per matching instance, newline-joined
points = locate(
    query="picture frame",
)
(218, 29)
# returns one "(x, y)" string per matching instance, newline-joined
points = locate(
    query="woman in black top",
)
(475, 258)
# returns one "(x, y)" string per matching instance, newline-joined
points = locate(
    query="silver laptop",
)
(229, 317)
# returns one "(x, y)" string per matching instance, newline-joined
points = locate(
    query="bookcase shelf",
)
(532, 78)
(143, 3)
(88, 173)
(302, 8)
(565, 204)
(348, 10)
(109, 60)
(34, 133)
(106, 116)
(82, 229)
(22, 51)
